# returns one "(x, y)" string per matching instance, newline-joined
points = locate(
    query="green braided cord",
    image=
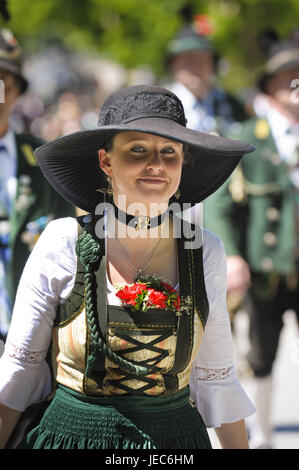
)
(88, 251)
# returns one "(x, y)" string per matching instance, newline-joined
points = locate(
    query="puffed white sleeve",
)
(47, 280)
(214, 387)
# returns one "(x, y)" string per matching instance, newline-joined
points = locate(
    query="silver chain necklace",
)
(139, 270)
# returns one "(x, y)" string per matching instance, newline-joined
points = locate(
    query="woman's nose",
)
(155, 162)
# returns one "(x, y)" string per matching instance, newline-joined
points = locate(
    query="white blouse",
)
(48, 278)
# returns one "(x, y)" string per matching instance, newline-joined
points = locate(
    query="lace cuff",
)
(24, 355)
(205, 374)
(25, 376)
(219, 396)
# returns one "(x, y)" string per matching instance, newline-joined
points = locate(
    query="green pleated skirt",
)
(76, 421)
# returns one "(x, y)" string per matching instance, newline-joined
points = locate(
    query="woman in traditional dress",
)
(130, 297)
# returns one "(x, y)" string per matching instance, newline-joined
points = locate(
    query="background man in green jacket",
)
(27, 202)
(257, 215)
(193, 63)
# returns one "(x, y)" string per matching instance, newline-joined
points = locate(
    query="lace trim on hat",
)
(23, 354)
(207, 375)
(128, 108)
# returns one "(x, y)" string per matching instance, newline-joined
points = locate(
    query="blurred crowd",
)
(61, 99)
(67, 90)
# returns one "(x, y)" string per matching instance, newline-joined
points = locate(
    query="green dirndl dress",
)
(75, 421)
(132, 419)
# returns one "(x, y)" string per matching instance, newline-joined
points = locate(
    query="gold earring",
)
(177, 194)
(109, 181)
(108, 190)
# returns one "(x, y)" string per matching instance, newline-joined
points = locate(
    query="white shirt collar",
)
(280, 126)
(185, 95)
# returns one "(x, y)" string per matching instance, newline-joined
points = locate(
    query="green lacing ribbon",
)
(89, 253)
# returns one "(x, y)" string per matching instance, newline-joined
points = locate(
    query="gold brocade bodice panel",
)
(161, 341)
(144, 338)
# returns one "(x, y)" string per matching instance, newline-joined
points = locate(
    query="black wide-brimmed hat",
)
(11, 57)
(281, 55)
(71, 163)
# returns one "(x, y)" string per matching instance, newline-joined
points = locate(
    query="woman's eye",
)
(168, 150)
(137, 149)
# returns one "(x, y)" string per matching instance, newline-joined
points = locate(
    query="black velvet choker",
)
(139, 222)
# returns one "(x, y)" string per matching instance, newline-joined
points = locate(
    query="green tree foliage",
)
(136, 32)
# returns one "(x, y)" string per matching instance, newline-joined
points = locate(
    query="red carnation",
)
(141, 296)
(129, 294)
(138, 288)
(157, 298)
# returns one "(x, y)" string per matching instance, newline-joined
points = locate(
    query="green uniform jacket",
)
(253, 212)
(35, 198)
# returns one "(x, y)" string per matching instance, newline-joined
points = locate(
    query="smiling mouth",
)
(152, 180)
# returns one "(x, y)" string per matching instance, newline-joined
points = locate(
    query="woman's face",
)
(11, 94)
(144, 168)
(281, 89)
(195, 70)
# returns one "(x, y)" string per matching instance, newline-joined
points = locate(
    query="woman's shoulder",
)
(59, 236)
(66, 227)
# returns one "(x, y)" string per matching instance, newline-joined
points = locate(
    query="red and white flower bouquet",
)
(150, 292)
